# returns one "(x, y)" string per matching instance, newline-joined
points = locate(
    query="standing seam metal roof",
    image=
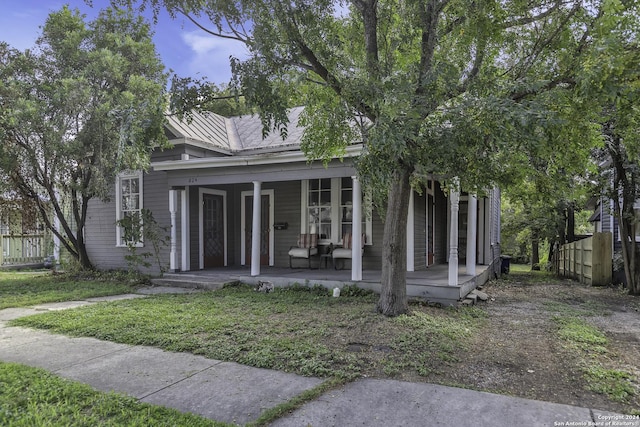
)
(236, 134)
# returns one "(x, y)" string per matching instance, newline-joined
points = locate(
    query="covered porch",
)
(431, 285)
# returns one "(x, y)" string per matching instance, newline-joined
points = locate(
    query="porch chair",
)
(346, 251)
(306, 247)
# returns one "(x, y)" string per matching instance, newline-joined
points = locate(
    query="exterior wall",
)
(174, 153)
(373, 250)
(420, 231)
(441, 232)
(100, 230)
(286, 209)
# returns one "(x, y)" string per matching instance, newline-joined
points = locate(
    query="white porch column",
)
(256, 229)
(356, 231)
(454, 205)
(472, 234)
(184, 230)
(173, 255)
(410, 234)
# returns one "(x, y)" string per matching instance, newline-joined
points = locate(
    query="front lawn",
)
(19, 289)
(300, 330)
(34, 397)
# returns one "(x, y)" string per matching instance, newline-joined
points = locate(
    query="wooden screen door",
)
(213, 229)
(264, 232)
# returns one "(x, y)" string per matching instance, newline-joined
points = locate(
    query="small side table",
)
(326, 255)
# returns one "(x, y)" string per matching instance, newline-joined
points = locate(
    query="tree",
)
(444, 87)
(610, 79)
(86, 103)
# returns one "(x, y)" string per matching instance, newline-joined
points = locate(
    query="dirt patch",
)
(519, 352)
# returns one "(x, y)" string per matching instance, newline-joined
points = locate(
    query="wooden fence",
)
(588, 260)
(22, 249)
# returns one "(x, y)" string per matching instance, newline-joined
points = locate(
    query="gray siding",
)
(100, 231)
(420, 231)
(373, 252)
(441, 232)
(286, 209)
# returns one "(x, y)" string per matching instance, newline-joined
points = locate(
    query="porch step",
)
(190, 281)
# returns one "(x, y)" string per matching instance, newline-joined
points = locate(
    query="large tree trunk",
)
(83, 256)
(624, 187)
(535, 250)
(393, 294)
(571, 223)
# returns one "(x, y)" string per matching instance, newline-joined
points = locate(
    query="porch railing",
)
(588, 260)
(22, 249)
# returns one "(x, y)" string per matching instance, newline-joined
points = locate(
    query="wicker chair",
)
(346, 251)
(306, 247)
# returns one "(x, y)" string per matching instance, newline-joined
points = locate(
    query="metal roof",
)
(236, 134)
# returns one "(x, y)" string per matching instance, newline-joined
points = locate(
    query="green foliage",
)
(86, 103)
(29, 289)
(355, 291)
(613, 382)
(141, 228)
(35, 397)
(479, 90)
(579, 334)
(295, 329)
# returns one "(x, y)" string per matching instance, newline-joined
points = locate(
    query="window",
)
(319, 208)
(327, 206)
(128, 201)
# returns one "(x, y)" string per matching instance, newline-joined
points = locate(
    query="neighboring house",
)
(23, 238)
(203, 188)
(604, 221)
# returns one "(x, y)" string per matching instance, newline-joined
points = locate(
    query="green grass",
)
(591, 345)
(298, 329)
(34, 397)
(28, 289)
(614, 383)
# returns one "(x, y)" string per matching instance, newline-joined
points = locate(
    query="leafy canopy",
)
(86, 102)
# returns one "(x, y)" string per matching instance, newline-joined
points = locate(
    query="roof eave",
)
(235, 161)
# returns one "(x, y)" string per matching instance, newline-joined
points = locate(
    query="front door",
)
(213, 230)
(264, 228)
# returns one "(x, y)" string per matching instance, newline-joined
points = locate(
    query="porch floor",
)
(431, 284)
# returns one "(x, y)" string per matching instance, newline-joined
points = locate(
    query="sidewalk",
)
(234, 393)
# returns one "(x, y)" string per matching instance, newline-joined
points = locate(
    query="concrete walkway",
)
(238, 394)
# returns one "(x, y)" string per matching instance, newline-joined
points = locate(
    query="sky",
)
(183, 47)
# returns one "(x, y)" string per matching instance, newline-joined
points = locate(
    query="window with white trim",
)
(128, 201)
(327, 209)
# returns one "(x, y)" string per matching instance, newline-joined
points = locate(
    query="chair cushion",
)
(347, 241)
(302, 252)
(342, 253)
(307, 240)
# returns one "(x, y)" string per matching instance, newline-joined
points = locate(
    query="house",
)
(24, 241)
(604, 221)
(221, 180)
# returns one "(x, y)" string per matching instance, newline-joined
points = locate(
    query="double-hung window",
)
(327, 209)
(128, 202)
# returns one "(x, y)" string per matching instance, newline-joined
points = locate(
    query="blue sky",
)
(181, 45)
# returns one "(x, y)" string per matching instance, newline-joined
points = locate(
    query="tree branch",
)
(525, 20)
(237, 36)
(429, 17)
(370, 25)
